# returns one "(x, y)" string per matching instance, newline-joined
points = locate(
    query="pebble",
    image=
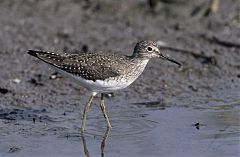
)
(16, 80)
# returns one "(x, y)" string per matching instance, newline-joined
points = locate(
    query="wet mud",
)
(168, 111)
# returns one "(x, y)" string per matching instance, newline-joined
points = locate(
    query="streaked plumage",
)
(103, 72)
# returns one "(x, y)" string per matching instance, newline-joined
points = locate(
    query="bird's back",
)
(96, 72)
(88, 66)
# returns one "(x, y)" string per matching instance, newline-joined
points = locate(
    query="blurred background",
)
(168, 111)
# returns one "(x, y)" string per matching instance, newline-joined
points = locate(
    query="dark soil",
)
(34, 99)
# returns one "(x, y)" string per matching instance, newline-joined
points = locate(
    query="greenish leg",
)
(86, 108)
(104, 141)
(103, 108)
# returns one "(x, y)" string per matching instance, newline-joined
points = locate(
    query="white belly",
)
(99, 86)
(107, 85)
(103, 86)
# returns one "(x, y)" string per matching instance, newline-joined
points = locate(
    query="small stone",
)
(53, 76)
(16, 80)
(13, 149)
(3, 90)
(197, 125)
(34, 119)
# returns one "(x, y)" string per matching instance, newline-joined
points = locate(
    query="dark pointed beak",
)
(170, 59)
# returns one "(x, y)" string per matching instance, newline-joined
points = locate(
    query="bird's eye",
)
(149, 49)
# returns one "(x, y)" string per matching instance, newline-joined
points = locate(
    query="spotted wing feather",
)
(88, 66)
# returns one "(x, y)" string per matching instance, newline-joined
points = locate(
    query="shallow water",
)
(138, 130)
(199, 112)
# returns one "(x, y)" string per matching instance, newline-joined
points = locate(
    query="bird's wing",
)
(88, 66)
(48, 57)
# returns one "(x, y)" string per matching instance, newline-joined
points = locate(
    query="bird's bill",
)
(170, 59)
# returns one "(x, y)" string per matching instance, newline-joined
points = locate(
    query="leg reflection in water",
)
(103, 143)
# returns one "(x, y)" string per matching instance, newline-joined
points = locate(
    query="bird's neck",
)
(143, 63)
(135, 69)
(140, 63)
(138, 59)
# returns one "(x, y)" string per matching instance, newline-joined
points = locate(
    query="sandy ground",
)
(208, 47)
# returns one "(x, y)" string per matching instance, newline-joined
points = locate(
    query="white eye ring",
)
(150, 49)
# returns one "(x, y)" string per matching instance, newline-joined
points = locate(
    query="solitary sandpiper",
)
(101, 73)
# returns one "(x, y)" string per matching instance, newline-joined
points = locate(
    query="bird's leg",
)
(103, 108)
(104, 142)
(86, 108)
(85, 145)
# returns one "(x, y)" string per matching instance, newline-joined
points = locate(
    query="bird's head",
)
(149, 49)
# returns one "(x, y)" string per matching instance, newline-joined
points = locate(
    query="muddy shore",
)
(40, 110)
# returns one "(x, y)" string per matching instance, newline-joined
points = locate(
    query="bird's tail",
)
(48, 57)
(33, 52)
